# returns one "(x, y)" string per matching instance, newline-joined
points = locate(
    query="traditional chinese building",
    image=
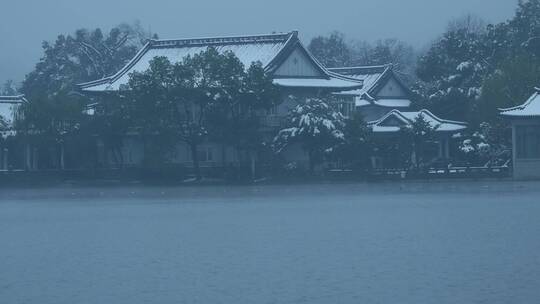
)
(382, 91)
(385, 102)
(293, 69)
(525, 121)
(391, 124)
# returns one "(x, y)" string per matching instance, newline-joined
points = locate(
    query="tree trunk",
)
(414, 159)
(223, 156)
(146, 160)
(118, 156)
(62, 157)
(35, 159)
(121, 157)
(28, 157)
(311, 155)
(253, 168)
(4, 158)
(195, 158)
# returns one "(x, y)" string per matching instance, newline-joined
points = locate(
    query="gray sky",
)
(26, 23)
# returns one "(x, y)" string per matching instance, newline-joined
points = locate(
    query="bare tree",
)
(473, 24)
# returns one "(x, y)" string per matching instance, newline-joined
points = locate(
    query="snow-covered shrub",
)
(316, 126)
(484, 146)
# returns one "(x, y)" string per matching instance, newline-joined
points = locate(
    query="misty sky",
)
(26, 23)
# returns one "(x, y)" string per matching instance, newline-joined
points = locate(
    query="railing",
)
(451, 172)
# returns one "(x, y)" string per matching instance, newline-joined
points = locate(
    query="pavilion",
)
(391, 124)
(525, 121)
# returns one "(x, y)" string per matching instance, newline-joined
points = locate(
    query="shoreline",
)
(45, 181)
(199, 191)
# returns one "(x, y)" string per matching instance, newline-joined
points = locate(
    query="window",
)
(273, 110)
(205, 154)
(346, 108)
(527, 142)
(344, 105)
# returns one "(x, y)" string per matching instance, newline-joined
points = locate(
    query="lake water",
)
(476, 242)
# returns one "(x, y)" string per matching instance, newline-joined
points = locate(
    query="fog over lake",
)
(439, 242)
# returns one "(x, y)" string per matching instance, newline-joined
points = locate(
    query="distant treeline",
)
(467, 73)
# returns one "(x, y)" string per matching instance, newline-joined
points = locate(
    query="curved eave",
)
(392, 107)
(530, 109)
(443, 125)
(316, 83)
(442, 128)
(392, 103)
(365, 103)
(519, 116)
(519, 112)
(107, 81)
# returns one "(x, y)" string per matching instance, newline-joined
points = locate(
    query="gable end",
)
(296, 61)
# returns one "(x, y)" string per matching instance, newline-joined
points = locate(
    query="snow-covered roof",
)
(407, 118)
(387, 102)
(8, 108)
(373, 78)
(370, 75)
(271, 50)
(531, 108)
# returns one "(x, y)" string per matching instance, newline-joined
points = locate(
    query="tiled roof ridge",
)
(222, 40)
